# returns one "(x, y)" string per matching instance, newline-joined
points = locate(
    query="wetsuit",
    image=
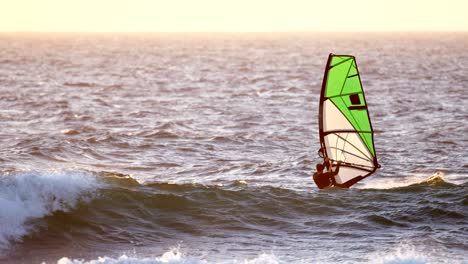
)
(326, 179)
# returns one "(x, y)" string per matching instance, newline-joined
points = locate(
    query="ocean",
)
(199, 148)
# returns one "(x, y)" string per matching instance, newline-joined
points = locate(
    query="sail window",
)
(355, 99)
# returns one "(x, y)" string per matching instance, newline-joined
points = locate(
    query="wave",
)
(63, 190)
(79, 84)
(417, 180)
(411, 252)
(31, 195)
(93, 209)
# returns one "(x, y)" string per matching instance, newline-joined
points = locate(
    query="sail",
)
(345, 127)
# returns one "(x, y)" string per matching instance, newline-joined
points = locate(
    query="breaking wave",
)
(105, 207)
(31, 195)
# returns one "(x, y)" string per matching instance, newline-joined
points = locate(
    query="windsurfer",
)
(326, 179)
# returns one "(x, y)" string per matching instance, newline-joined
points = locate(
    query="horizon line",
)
(237, 32)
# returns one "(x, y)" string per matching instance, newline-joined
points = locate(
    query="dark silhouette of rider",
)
(326, 179)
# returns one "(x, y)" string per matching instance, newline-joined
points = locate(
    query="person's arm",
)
(337, 167)
(336, 173)
(326, 164)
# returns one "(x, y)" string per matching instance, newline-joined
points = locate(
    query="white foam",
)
(262, 259)
(29, 195)
(383, 183)
(174, 256)
(406, 260)
(406, 252)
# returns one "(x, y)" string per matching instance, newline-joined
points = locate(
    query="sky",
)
(232, 15)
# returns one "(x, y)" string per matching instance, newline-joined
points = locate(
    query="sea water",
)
(199, 148)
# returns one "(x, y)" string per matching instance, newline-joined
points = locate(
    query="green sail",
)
(343, 87)
(345, 129)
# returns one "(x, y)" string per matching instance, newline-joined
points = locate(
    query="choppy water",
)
(198, 148)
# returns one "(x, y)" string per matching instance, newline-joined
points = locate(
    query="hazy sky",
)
(232, 15)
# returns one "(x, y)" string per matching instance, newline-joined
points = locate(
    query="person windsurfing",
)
(345, 129)
(326, 179)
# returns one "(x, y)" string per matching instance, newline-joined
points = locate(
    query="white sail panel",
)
(343, 146)
(333, 119)
(347, 174)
